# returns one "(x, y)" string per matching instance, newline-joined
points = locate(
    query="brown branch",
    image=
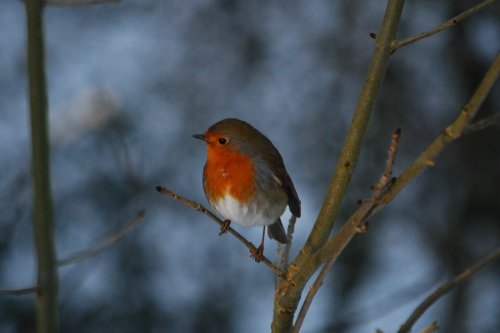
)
(43, 222)
(433, 327)
(72, 3)
(483, 123)
(448, 24)
(289, 292)
(389, 163)
(107, 242)
(355, 135)
(19, 291)
(426, 159)
(445, 288)
(355, 220)
(201, 209)
(75, 3)
(450, 133)
(289, 236)
(358, 220)
(283, 252)
(85, 254)
(334, 247)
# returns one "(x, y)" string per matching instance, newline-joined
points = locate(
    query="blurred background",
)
(129, 84)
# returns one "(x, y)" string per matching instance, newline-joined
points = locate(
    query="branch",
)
(201, 209)
(289, 236)
(356, 132)
(355, 220)
(74, 3)
(389, 163)
(452, 132)
(431, 328)
(448, 24)
(332, 249)
(289, 292)
(85, 254)
(445, 288)
(43, 223)
(283, 252)
(428, 158)
(19, 291)
(103, 245)
(483, 123)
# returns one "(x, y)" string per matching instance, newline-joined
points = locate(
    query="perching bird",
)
(245, 179)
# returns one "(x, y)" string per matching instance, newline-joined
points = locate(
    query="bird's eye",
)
(222, 141)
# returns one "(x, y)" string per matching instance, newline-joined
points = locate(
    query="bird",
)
(245, 180)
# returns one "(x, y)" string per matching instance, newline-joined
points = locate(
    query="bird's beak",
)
(200, 137)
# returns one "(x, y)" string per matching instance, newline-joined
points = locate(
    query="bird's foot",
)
(257, 253)
(224, 227)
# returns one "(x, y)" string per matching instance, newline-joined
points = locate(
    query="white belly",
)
(245, 216)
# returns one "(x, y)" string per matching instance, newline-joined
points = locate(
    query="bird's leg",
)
(258, 253)
(224, 227)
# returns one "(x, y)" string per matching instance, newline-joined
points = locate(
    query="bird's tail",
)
(277, 232)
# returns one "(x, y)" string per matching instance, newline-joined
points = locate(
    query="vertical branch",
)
(46, 299)
(289, 292)
(355, 135)
(445, 288)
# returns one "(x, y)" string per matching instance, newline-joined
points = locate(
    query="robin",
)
(245, 179)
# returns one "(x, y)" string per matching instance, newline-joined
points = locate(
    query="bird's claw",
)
(257, 253)
(224, 227)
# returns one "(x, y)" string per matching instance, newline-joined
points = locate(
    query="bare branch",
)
(391, 155)
(332, 249)
(431, 328)
(358, 221)
(445, 288)
(426, 159)
(43, 221)
(68, 3)
(483, 123)
(355, 135)
(201, 209)
(85, 254)
(283, 252)
(289, 236)
(19, 291)
(448, 24)
(98, 248)
(300, 270)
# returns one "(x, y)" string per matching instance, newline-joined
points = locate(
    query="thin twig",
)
(98, 248)
(356, 219)
(351, 148)
(289, 236)
(19, 291)
(448, 24)
(433, 327)
(483, 123)
(332, 249)
(85, 254)
(445, 288)
(283, 252)
(201, 209)
(70, 3)
(289, 293)
(365, 210)
(280, 262)
(389, 163)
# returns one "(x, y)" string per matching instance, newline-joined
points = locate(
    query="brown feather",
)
(240, 133)
(277, 232)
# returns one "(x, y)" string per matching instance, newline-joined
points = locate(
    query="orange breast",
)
(228, 172)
